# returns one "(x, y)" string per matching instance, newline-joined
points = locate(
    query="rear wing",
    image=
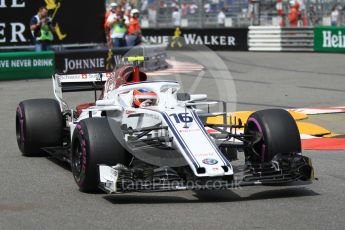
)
(87, 81)
(91, 81)
(77, 83)
(81, 82)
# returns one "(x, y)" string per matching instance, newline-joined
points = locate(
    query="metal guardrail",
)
(275, 38)
(29, 65)
(54, 47)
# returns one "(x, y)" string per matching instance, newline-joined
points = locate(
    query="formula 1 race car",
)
(146, 136)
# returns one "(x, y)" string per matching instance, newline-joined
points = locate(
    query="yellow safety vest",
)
(120, 28)
(46, 34)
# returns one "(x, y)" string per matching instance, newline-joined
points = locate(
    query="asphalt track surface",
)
(40, 193)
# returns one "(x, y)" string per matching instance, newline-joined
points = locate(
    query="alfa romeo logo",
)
(209, 161)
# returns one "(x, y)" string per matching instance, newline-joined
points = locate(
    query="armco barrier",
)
(224, 39)
(329, 39)
(275, 38)
(105, 60)
(90, 60)
(25, 65)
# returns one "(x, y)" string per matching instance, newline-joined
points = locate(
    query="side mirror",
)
(198, 97)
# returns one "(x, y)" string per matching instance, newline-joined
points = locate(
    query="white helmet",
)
(134, 11)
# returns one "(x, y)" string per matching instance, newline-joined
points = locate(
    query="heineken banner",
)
(215, 39)
(74, 21)
(329, 39)
(25, 65)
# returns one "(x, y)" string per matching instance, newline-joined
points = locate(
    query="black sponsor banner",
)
(91, 60)
(74, 21)
(215, 39)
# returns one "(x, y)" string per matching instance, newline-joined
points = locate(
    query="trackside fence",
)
(275, 38)
(28, 65)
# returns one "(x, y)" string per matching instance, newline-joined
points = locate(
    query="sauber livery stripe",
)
(180, 140)
(201, 126)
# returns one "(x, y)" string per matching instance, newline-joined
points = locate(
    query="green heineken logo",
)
(331, 40)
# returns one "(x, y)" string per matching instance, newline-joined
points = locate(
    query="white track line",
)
(320, 110)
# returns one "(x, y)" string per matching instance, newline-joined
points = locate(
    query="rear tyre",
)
(278, 131)
(94, 143)
(39, 124)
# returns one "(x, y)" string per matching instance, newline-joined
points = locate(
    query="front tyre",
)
(275, 132)
(94, 143)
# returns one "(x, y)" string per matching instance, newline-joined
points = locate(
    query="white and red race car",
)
(146, 136)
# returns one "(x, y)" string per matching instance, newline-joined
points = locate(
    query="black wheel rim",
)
(259, 147)
(77, 159)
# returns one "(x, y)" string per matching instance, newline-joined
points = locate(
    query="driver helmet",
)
(147, 97)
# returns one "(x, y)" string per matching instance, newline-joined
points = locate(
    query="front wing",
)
(282, 170)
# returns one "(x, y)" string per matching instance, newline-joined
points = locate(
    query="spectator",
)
(152, 15)
(113, 6)
(293, 15)
(280, 12)
(112, 9)
(207, 9)
(162, 4)
(42, 29)
(176, 16)
(134, 30)
(315, 19)
(118, 27)
(184, 9)
(127, 12)
(125, 5)
(174, 4)
(144, 7)
(335, 16)
(221, 18)
(193, 8)
(252, 12)
(302, 17)
(214, 5)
